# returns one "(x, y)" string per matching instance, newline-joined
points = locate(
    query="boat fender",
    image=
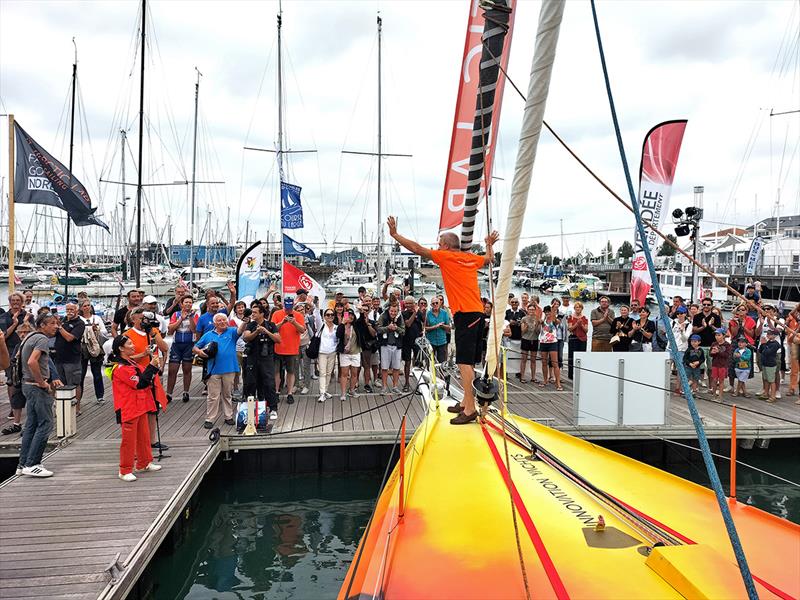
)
(601, 523)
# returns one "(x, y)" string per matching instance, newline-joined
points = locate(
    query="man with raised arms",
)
(460, 277)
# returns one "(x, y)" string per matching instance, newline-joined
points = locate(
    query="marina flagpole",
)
(11, 224)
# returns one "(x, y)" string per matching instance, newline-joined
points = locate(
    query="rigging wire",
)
(710, 467)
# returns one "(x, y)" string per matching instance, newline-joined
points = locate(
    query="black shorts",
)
(409, 350)
(529, 345)
(469, 333)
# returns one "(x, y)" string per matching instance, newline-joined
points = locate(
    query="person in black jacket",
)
(351, 336)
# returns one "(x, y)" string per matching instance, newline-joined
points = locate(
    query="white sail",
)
(544, 56)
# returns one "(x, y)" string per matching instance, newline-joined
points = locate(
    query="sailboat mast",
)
(71, 148)
(138, 266)
(12, 226)
(194, 178)
(124, 225)
(280, 136)
(379, 264)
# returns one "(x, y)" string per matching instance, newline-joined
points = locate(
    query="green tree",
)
(529, 253)
(607, 253)
(556, 260)
(666, 249)
(626, 250)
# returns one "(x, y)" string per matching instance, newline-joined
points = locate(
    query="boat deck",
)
(60, 534)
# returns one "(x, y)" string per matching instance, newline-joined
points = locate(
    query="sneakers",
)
(406, 388)
(228, 421)
(36, 471)
(368, 388)
(151, 467)
(777, 395)
(378, 384)
(343, 397)
(101, 399)
(19, 470)
(289, 399)
(456, 409)
(207, 424)
(11, 429)
(169, 398)
(185, 396)
(128, 477)
(304, 390)
(159, 446)
(353, 393)
(463, 418)
(315, 376)
(273, 415)
(396, 390)
(321, 398)
(328, 395)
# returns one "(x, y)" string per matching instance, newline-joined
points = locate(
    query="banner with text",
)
(294, 248)
(248, 273)
(472, 144)
(291, 209)
(295, 279)
(660, 151)
(41, 179)
(754, 255)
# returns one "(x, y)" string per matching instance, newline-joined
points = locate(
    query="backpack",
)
(16, 364)
(90, 345)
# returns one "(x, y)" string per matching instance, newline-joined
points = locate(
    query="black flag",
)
(41, 179)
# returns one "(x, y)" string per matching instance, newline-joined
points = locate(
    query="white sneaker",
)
(127, 477)
(343, 397)
(273, 414)
(777, 395)
(304, 390)
(315, 377)
(328, 395)
(150, 467)
(378, 384)
(322, 397)
(353, 393)
(727, 389)
(36, 471)
(19, 470)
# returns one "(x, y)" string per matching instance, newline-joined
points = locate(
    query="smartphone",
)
(152, 348)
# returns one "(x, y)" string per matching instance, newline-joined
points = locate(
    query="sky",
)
(722, 65)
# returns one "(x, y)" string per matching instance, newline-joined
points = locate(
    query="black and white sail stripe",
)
(497, 14)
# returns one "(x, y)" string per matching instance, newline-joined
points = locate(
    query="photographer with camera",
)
(218, 347)
(182, 326)
(290, 326)
(134, 397)
(260, 337)
(68, 351)
(147, 341)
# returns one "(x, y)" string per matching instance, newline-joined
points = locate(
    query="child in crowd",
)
(769, 352)
(720, 359)
(692, 359)
(742, 363)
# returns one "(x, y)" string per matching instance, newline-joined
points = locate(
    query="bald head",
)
(449, 241)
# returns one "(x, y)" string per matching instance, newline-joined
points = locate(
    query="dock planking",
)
(59, 534)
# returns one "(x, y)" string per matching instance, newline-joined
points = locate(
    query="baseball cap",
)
(288, 302)
(720, 331)
(772, 332)
(149, 300)
(695, 337)
(681, 310)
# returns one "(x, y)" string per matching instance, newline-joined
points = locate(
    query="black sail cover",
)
(497, 15)
(41, 179)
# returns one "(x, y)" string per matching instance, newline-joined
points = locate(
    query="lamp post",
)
(688, 223)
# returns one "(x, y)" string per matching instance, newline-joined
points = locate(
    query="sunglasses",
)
(329, 314)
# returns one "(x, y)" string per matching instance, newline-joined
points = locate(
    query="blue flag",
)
(293, 248)
(291, 209)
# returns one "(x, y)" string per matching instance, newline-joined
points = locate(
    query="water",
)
(277, 537)
(293, 537)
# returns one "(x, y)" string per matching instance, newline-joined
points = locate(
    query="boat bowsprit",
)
(591, 523)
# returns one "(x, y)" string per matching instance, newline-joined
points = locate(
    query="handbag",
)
(312, 350)
(614, 340)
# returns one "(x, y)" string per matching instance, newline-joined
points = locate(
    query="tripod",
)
(161, 454)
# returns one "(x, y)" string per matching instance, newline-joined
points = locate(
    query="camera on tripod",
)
(149, 321)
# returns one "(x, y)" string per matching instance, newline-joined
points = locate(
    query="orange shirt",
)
(460, 276)
(139, 340)
(290, 337)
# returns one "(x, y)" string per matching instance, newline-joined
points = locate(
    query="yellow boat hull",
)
(456, 537)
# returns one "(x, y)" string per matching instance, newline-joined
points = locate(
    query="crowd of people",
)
(275, 346)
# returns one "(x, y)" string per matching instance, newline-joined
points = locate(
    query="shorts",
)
(529, 345)
(391, 357)
(181, 352)
(349, 360)
(719, 373)
(549, 347)
(694, 373)
(69, 373)
(768, 374)
(469, 332)
(410, 351)
(440, 353)
(742, 375)
(288, 362)
(17, 399)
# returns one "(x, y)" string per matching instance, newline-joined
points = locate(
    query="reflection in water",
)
(252, 543)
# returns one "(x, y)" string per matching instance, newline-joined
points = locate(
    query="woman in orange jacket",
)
(133, 399)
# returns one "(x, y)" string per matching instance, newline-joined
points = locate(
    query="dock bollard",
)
(66, 411)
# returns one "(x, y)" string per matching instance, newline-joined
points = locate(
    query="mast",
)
(71, 148)
(124, 225)
(138, 266)
(12, 226)
(280, 135)
(379, 263)
(194, 178)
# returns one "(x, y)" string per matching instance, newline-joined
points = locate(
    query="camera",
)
(149, 321)
(247, 312)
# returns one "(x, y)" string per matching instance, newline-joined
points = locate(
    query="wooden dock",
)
(60, 534)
